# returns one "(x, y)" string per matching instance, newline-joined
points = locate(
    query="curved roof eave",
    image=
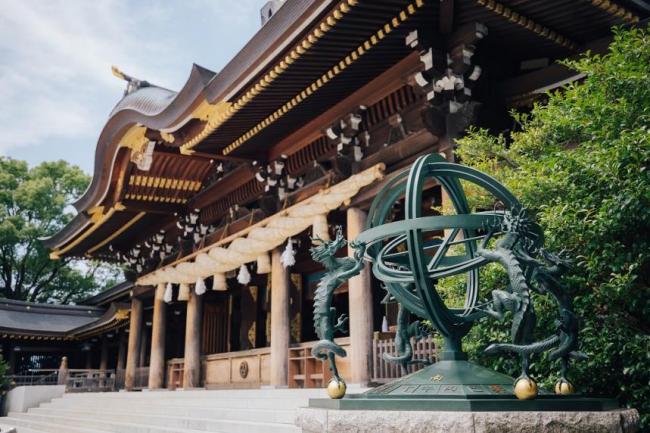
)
(202, 85)
(121, 120)
(108, 144)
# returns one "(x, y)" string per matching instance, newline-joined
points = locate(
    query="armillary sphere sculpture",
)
(411, 258)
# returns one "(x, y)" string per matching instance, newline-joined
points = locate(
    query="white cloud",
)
(55, 80)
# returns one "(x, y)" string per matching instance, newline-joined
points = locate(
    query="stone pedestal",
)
(375, 421)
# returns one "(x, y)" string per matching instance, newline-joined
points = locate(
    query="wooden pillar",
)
(89, 359)
(360, 308)
(133, 352)
(121, 351)
(157, 360)
(103, 359)
(279, 320)
(144, 342)
(192, 358)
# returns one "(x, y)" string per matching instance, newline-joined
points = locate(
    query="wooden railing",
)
(32, 378)
(88, 380)
(141, 378)
(384, 342)
(175, 373)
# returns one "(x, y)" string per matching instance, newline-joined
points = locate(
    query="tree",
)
(580, 163)
(34, 204)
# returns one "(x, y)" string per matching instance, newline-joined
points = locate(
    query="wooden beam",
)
(142, 292)
(530, 82)
(446, 19)
(230, 182)
(412, 144)
(219, 157)
(152, 207)
(386, 83)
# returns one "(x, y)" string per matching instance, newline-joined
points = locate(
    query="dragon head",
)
(516, 222)
(322, 249)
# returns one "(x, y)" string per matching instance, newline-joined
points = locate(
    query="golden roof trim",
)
(354, 55)
(217, 114)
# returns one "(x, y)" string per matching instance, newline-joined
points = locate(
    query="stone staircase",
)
(222, 411)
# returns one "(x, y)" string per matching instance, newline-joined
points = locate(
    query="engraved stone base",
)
(313, 420)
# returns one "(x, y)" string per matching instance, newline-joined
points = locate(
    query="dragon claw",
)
(341, 323)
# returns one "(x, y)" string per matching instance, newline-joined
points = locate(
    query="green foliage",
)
(33, 205)
(580, 164)
(5, 381)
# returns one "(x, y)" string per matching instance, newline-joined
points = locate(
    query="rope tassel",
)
(167, 296)
(288, 257)
(243, 277)
(199, 287)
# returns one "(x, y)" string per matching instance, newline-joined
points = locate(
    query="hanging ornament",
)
(320, 229)
(243, 277)
(263, 263)
(167, 296)
(184, 292)
(384, 324)
(288, 257)
(219, 282)
(199, 287)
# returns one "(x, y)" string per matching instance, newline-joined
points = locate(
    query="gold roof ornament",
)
(133, 83)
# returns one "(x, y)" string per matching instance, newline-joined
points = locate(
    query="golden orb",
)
(525, 388)
(336, 388)
(564, 387)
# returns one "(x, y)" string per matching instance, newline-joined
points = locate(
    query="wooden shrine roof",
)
(28, 320)
(310, 56)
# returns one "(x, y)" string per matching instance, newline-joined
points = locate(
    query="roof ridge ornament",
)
(133, 83)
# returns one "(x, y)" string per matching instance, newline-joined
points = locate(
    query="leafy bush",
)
(580, 164)
(5, 382)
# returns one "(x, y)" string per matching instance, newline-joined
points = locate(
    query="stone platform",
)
(314, 420)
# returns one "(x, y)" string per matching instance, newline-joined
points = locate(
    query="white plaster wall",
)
(22, 398)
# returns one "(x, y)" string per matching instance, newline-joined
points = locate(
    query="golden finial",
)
(119, 74)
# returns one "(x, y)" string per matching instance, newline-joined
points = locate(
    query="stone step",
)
(26, 425)
(207, 394)
(271, 403)
(145, 424)
(5, 428)
(178, 416)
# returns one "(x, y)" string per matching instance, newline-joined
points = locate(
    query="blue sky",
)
(56, 86)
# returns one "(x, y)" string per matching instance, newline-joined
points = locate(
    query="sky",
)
(56, 86)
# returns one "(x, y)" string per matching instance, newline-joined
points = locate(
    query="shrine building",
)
(210, 195)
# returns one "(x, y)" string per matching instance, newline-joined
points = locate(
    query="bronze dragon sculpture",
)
(337, 271)
(403, 345)
(515, 251)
